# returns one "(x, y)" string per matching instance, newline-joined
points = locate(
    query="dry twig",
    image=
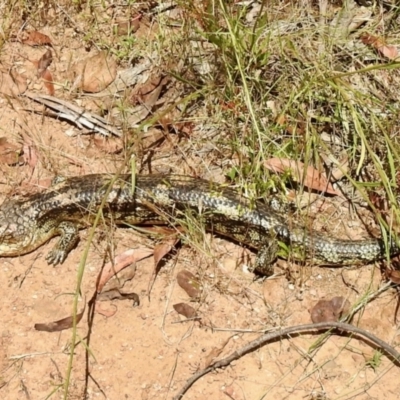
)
(272, 336)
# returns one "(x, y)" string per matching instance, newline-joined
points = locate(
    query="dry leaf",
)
(12, 84)
(116, 294)
(44, 62)
(330, 310)
(108, 144)
(30, 187)
(162, 249)
(215, 352)
(323, 312)
(185, 309)
(338, 168)
(189, 283)
(95, 73)
(106, 311)
(30, 154)
(310, 177)
(379, 44)
(34, 38)
(10, 153)
(140, 91)
(127, 27)
(61, 324)
(234, 392)
(281, 120)
(394, 276)
(120, 262)
(48, 82)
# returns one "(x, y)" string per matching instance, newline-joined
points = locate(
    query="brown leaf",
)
(147, 93)
(163, 230)
(35, 38)
(108, 144)
(338, 167)
(189, 283)
(309, 177)
(160, 251)
(281, 120)
(95, 73)
(340, 305)
(126, 28)
(379, 44)
(330, 310)
(61, 324)
(48, 82)
(394, 276)
(120, 262)
(10, 153)
(107, 311)
(30, 187)
(185, 309)
(12, 84)
(323, 312)
(145, 88)
(389, 51)
(30, 155)
(116, 294)
(215, 352)
(44, 62)
(373, 41)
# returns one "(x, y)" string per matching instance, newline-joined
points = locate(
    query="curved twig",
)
(271, 336)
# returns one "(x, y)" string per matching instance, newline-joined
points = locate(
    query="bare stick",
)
(271, 336)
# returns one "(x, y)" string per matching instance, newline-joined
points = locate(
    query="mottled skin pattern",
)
(72, 204)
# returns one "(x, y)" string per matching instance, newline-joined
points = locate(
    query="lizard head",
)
(13, 235)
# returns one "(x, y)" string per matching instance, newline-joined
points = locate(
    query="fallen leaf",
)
(30, 187)
(281, 120)
(323, 312)
(61, 324)
(120, 262)
(116, 294)
(309, 177)
(10, 153)
(215, 352)
(142, 91)
(234, 392)
(110, 145)
(145, 96)
(34, 38)
(12, 84)
(185, 309)
(379, 44)
(330, 310)
(95, 73)
(189, 283)
(107, 311)
(393, 275)
(44, 62)
(48, 82)
(160, 251)
(127, 27)
(338, 168)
